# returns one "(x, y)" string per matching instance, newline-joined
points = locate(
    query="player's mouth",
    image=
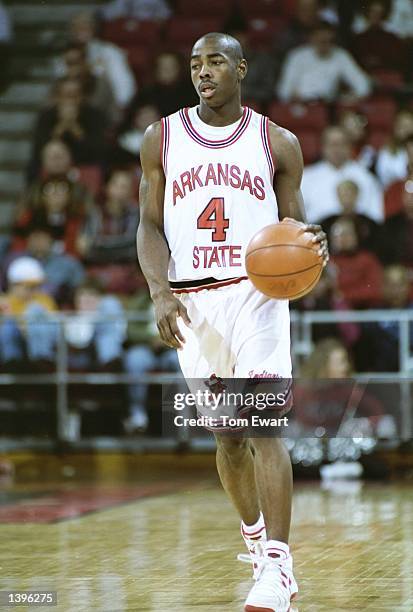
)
(207, 90)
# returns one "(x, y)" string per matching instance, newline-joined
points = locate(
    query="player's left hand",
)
(320, 237)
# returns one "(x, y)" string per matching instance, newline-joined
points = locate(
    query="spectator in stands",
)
(28, 329)
(303, 67)
(329, 359)
(367, 230)
(355, 125)
(326, 295)
(137, 9)
(397, 237)
(81, 127)
(300, 27)
(104, 58)
(171, 89)
(6, 38)
(96, 87)
(259, 83)
(397, 191)
(379, 348)
(131, 134)
(145, 353)
(359, 272)
(71, 222)
(56, 162)
(63, 272)
(115, 237)
(327, 381)
(399, 17)
(392, 159)
(320, 180)
(376, 48)
(96, 331)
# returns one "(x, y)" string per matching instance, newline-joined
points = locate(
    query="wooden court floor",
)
(174, 548)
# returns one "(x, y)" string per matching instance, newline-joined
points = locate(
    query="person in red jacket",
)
(358, 272)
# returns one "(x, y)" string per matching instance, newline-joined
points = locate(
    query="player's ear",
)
(242, 69)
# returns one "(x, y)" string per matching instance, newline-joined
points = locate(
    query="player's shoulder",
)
(151, 144)
(282, 141)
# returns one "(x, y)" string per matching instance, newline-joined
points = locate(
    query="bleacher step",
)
(12, 181)
(14, 122)
(36, 93)
(13, 151)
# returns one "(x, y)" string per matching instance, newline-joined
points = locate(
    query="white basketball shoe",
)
(275, 585)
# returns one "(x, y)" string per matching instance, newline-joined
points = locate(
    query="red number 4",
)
(213, 217)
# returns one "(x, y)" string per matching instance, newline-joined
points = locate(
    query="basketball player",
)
(214, 175)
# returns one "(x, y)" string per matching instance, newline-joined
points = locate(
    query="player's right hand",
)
(167, 310)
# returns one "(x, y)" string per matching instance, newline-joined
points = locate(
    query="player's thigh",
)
(264, 348)
(206, 350)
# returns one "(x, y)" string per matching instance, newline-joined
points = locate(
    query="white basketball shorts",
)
(236, 332)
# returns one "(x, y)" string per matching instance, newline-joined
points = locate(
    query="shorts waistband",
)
(203, 283)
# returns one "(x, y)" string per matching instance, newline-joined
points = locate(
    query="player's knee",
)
(231, 445)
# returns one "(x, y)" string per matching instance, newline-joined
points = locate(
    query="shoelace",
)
(246, 557)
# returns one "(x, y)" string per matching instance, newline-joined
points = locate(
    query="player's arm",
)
(153, 250)
(287, 186)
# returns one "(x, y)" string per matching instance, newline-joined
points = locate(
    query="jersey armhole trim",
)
(265, 135)
(164, 143)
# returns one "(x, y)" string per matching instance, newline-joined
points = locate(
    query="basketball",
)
(282, 261)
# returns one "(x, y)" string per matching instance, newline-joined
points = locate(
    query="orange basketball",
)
(283, 262)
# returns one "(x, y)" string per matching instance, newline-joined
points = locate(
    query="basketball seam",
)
(285, 273)
(290, 244)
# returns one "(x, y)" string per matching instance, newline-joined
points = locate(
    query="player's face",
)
(215, 74)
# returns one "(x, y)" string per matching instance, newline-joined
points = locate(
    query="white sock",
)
(254, 532)
(277, 550)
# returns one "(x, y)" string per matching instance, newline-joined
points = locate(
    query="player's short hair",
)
(232, 45)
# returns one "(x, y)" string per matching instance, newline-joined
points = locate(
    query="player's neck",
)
(221, 116)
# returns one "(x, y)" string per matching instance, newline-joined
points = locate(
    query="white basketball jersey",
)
(218, 193)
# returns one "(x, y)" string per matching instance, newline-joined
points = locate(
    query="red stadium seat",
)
(185, 31)
(299, 116)
(263, 30)
(91, 177)
(140, 60)
(380, 113)
(260, 8)
(203, 8)
(310, 142)
(388, 79)
(378, 138)
(289, 7)
(129, 32)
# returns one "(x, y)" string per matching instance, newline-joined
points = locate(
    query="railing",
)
(302, 344)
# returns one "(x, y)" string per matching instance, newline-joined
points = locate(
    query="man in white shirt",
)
(105, 59)
(320, 181)
(316, 71)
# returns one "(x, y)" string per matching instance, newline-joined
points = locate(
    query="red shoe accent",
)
(255, 609)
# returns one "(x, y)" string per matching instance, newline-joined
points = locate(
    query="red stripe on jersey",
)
(215, 144)
(267, 136)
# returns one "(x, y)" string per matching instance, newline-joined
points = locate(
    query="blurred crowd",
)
(337, 73)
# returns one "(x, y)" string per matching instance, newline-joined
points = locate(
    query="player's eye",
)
(195, 67)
